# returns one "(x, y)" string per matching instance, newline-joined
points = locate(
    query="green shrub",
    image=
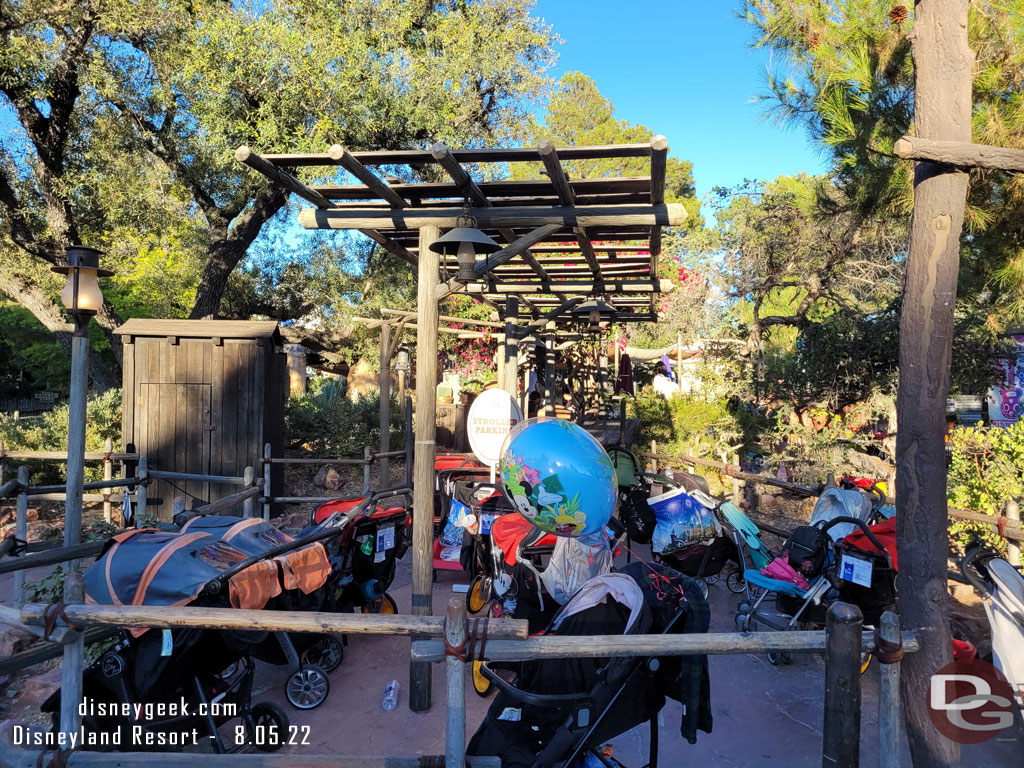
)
(50, 433)
(685, 421)
(331, 425)
(987, 469)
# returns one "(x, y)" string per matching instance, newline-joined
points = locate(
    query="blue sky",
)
(683, 68)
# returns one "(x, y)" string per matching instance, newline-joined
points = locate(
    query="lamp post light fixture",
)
(82, 298)
(465, 241)
(402, 359)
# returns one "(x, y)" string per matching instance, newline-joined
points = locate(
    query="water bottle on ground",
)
(390, 700)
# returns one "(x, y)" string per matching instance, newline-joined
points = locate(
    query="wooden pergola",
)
(565, 240)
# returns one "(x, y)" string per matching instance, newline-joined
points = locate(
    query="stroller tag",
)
(856, 570)
(511, 714)
(166, 643)
(485, 523)
(385, 538)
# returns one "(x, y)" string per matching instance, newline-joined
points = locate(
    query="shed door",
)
(175, 435)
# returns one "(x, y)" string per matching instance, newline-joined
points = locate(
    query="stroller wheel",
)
(735, 582)
(386, 604)
(704, 588)
(478, 595)
(780, 657)
(264, 715)
(481, 684)
(307, 688)
(325, 653)
(713, 578)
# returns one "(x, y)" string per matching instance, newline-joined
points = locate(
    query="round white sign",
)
(492, 415)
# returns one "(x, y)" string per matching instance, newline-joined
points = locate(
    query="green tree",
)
(114, 95)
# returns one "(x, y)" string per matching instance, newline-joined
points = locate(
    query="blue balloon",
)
(558, 477)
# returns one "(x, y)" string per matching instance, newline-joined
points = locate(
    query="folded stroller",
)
(153, 666)
(555, 712)
(1001, 588)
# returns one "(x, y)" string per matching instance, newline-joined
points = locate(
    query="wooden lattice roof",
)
(564, 238)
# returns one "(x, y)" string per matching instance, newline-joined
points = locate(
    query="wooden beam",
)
(378, 186)
(581, 286)
(549, 156)
(531, 188)
(258, 163)
(960, 154)
(547, 317)
(390, 245)
(667, 215)
(446, 318)
(659, 161)
(488, 155)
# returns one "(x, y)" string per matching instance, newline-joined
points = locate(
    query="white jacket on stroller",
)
(1005, 610)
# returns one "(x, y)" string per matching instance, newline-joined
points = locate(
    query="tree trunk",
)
(29, 295)
(943, 73)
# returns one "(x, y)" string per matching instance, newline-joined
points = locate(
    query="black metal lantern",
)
(595, 311)
(465, 241)
(82, 296)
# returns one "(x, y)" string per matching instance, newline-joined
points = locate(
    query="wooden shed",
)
(202, 396)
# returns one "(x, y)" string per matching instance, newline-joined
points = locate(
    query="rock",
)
(321, 477)
(38, 689)
(8, 517)
(294, 521)
(13, 640)
(333, 481)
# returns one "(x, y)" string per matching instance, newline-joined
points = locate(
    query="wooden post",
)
(249, 479)
(943, 63)
(267, 495)
(1013, 546)
(679, 362)
(455, 631)
(654, 452)
(510, 369)
(549, 377)
(73, 661)
(410, 451)
(426, 449)
(384, 380)
(142, 473)
(108, 474)
(21, 532)
(889, 697)
(841, 731)
(367, 458)
(401, 392)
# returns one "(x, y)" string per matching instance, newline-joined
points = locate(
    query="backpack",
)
(808, 550)
(636, 516)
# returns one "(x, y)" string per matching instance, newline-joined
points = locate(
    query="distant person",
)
(662, 383)
(533, 404)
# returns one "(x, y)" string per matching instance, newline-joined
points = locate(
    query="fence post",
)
(410, 455)
(654, 461)
(21, 532)
(248, 480)
(889, 691)
(737, 497)
(266, 481)
(108, 474)
(455, 631)
(1012, 545)
(142, 473)
(71, 666)
(841, 731)
(367, 457)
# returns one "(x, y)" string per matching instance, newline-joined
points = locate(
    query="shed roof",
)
(201, 329)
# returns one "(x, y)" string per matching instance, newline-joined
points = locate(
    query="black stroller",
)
(555, 712)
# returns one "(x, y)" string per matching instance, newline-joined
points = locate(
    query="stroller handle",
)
(864, 528)
(549, 700)
(973, 572)
(329, 528)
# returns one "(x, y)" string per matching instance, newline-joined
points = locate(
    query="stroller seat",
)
(755, 578)
(509, 531)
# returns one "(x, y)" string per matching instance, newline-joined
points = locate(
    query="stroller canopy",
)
(836, 502)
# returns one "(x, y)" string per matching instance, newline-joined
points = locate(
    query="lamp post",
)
(403, 361)
(82, 298)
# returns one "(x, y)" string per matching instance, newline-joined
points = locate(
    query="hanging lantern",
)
(595, 311)
(465, 241)
(402, 358)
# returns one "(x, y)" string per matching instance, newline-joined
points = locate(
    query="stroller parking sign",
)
(856, 570)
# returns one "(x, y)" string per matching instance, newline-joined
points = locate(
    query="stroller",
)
(840, 557)
(1001, 587)
(450, 471)
(364, 557)
(557, 712)
(150, 666)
